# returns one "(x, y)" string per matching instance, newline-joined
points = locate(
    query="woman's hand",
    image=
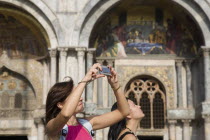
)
(93, 73)
(113, 79)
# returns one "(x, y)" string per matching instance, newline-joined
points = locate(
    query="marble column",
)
(53, 65)
(189, 83)
(186, 130)
(40, 128)
(206, 56)
(45, 80)
(172, 129)
(81, 64)
(179, 83)
(100, 85)
(89, 91)
(62, 66)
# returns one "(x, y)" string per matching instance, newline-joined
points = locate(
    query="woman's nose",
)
(81, 99)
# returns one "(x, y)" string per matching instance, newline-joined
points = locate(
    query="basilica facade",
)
(160, 50)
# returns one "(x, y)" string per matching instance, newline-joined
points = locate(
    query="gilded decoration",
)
(4, 75)
(163, 73)
(151, 31)
(12, 84)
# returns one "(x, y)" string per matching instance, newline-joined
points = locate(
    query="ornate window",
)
(150, 95)
(18, 100)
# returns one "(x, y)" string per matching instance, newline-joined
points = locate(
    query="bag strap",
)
(124, 134)
(86, 124)
(64, 132)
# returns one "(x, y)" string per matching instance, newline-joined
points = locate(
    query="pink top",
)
(78, 133)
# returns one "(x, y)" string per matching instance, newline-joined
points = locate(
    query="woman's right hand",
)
(93, 74)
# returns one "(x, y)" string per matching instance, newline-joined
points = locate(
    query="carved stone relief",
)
(162, 73)
(16, 95)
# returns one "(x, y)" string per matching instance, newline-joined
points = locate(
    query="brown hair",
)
(58, 93)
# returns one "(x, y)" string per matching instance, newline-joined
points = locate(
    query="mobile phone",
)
(105, 70)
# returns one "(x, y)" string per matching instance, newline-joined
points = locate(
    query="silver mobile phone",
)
(105, 70)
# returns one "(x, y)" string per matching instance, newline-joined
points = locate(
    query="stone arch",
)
(88, 18)
(33, 72)
(43, 15)
(29, 82)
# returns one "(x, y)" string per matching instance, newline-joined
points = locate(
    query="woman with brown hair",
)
(64, 101)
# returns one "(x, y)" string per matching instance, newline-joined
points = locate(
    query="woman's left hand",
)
(113, 79)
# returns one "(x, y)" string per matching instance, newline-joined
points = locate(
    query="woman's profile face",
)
(80, 106)
(135, 110)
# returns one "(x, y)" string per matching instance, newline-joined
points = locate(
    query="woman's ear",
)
(60, 105)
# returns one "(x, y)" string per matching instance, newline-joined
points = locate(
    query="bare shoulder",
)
(91, 119)
(130, 137)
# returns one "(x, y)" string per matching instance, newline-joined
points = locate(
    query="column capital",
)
(53, 52)
(91, 50)
(205, 51)
(81, 49)
(172, 121)
(63, 51)
(188, 61)
(205, 48)
(179, 62)
(186, 121)
(206, 117)
(39, 121)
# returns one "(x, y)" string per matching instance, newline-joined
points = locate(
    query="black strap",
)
(126, 133)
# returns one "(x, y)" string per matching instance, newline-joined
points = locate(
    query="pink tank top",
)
(78, 133)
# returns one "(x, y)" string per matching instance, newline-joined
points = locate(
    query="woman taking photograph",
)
(64, 101)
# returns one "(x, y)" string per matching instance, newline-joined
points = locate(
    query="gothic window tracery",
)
(149, 94)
